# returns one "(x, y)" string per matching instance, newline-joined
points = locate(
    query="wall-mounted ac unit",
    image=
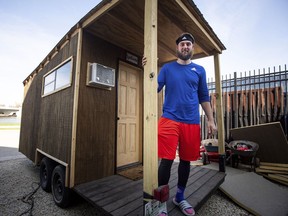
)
(100, 75)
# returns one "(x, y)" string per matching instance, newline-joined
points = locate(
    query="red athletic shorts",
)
(172, 133)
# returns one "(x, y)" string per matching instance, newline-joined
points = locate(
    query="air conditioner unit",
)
(100, 75)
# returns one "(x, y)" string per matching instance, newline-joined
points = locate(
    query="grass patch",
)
(9, 126)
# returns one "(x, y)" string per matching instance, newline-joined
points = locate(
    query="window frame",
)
(54, 70)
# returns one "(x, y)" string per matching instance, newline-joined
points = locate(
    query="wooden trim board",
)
(150, 118)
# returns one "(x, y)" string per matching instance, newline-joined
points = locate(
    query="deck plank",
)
(102, 185)
(117, 195)
(202, 195)
(122, 197)
(198, 191)
(192, 185)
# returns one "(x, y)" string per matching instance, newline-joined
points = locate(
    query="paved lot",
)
(9, 144)
(9, 138)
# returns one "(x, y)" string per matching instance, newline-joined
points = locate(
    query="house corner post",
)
(150, 119)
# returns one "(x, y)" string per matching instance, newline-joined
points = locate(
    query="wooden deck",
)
(117, 195)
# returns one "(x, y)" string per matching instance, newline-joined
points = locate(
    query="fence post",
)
(235, 101)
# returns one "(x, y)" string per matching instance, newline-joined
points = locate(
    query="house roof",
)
(121, 22)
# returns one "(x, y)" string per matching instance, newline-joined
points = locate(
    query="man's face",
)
(185, 50)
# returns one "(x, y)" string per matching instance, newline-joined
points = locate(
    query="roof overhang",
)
(121, 22)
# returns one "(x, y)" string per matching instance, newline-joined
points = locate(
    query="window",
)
(58, 78)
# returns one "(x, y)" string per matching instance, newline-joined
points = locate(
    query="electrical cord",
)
(29, 199)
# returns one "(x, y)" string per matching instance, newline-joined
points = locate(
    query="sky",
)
(254, 33)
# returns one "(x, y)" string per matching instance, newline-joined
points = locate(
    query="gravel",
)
(20, 178)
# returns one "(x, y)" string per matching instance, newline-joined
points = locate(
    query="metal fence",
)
(251, 98)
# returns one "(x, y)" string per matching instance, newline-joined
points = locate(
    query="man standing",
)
(179, 126)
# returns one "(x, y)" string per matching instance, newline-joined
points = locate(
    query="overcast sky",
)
(254, 32)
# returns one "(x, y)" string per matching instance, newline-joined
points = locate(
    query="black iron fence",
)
(251, 98)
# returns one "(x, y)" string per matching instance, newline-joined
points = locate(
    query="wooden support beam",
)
(219, 107)
(103, 8)
(75, 108)
(188, 12)
(150, 130)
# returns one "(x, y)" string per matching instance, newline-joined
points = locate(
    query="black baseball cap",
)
(185, 36)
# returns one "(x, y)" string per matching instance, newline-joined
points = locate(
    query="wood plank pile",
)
(275, 171)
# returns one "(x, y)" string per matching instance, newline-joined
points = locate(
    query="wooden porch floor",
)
(117, 195)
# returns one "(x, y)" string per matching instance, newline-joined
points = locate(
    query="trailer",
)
(83, 110)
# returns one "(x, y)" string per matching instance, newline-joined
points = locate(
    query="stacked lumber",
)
(275, 171)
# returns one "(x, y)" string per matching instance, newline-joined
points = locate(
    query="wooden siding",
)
(96, 124)
(47, 122)
(30, 119)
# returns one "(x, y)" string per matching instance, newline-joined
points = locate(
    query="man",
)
(179, 126)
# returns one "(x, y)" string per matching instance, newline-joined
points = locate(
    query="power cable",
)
(29, 199)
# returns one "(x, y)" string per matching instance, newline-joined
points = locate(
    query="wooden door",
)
(129, 126)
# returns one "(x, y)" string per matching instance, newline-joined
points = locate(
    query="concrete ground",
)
(9, 144)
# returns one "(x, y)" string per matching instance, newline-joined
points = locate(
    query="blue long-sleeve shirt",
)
(185, 89)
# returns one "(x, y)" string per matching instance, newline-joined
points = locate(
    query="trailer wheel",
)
(61, 194)
(46, 169)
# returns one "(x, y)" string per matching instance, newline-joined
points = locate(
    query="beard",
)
(185, 56)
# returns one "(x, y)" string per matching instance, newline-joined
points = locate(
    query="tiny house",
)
(82, 113)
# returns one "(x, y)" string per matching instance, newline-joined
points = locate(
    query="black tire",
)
(46, 169)
(61, 194)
